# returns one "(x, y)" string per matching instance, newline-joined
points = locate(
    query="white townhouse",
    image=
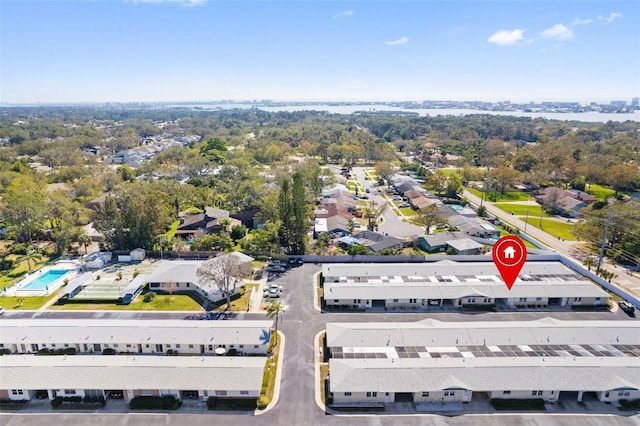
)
(449, 283)
(182, 337)
(431, 362)
(24, 377)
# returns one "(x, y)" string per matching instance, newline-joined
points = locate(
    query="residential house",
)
(455, 284)
(212, 221)
(564, 202)
(91, 336)
(26, 377)
(430, 363)
(373, 241)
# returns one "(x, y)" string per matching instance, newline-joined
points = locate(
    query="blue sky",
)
(181, 50)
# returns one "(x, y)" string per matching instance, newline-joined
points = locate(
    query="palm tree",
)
(84, 240)
(589, 262)
(29, 254)
(273, 311)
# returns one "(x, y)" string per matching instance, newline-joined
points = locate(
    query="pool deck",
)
(19, 288)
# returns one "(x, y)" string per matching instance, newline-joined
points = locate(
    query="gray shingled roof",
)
(419, 280)
(484, 374)
(131, 372)
(47, 331)
(434, 333)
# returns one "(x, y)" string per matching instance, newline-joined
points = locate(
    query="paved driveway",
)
(296, 406)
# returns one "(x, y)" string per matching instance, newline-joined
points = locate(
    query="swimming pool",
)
(456, 207)
(43, 281)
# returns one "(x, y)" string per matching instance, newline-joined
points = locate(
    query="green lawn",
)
(521, 210)
(556, 228)
(162, 302)
(28, 303)
(6, 280)
(497, 197)
(600, 192)
(407, 211)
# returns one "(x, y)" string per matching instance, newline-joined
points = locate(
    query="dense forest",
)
(55, 160)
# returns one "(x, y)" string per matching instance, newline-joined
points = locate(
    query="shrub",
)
(518, 404)
(262, 402)
(211, 403)
(56, 402)
(44, 351)
(136, 273)
(69, 351)
(108, 351)
(5, 351)
(167, 402)
(149, 296)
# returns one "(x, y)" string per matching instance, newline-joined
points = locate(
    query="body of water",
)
(44, 280)
(594, 117)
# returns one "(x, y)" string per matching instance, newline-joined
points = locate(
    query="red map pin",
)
(509, 255)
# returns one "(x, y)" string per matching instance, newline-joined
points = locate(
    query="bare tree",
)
(224, 271)
(429, 217)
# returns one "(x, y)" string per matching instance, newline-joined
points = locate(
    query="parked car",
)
(1, 310)
(272, 293)
(403, 205)
(368, 190)
(397, 198)
(274, 287)
(364, 197)
(276, 268)
(627, 307)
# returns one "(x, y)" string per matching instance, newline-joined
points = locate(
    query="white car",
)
(273, 291)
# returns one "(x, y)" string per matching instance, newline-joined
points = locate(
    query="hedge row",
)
(168, 402)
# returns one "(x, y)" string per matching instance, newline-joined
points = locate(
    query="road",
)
(391, 224)
(296, 406)
(623, 280)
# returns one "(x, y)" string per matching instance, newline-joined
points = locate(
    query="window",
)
(506, 392)
(486, 300)
(449, 393)
(597, 299)
(538, 299)
(347, 394)
(577, 299)
(232, 346)
(221, 393)
(522, 299)
(241, 346)
(372, 394)
(115, 345)
(471, 300)
(205, 393)
(425, 394)
(413, 300)
(177, 346)
(395, 300)
(256, 346)
(53, 345)
(623, 393)
(536, 393)
(244, 392)
(17, 392)
(70, 391)
(128, 345)
(66, 345)
(147, 345)
(190, 346)
(188, 285)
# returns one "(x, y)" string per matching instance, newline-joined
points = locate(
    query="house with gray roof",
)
(29, 376)
(24, 336)
(449, 283)
(431, 362)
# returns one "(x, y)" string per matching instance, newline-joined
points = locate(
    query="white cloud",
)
(401, 40)
(345, 14)
(506, 38)
(182, 2)
(609, 19)
(558, 31)
(579, 21)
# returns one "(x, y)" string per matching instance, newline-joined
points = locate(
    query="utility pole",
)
(526, 222)
(604, 239)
